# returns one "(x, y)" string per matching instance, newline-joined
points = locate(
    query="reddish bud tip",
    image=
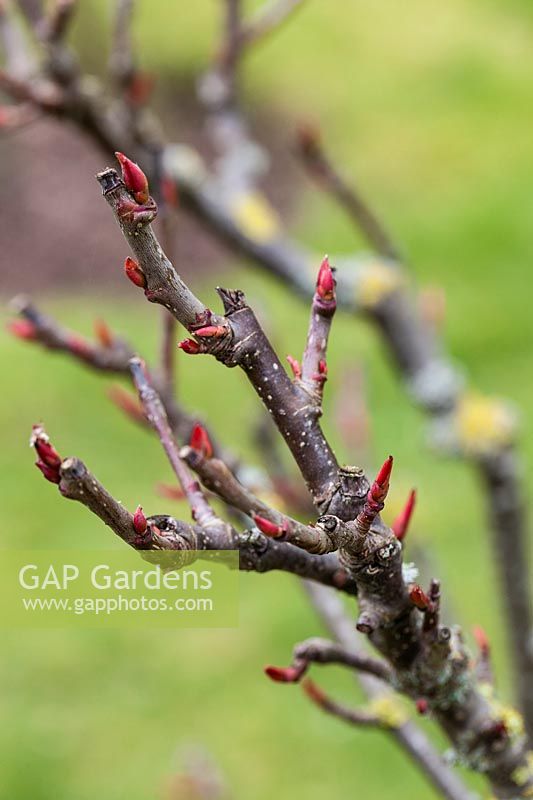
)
(200, 441)
(139, 520)
(267, 527)
(325, 285)
(383, 476)
(422, 705)
(308, 138)
(295, 366)
(50, 473)
(80, 347)
(322, 368)
(127, 402)
(314, 692)
(139, 89)
(170, 492)
(482, 640)
(22, 329)
(134, 178)
(103, 333)
(283, 674)
(191, 347)
(401, 523)
(47, 454)
(418, 597)
(134, 273)
(215, 331)
(169, 191)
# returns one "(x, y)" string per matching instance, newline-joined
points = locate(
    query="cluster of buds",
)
(48, 459)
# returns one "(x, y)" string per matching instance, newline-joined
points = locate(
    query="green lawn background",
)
(430, 106)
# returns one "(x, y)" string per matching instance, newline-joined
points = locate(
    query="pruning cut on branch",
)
(346, 546)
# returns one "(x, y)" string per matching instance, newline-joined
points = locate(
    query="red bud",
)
(23, 329)
(134, 178)
(127, 402)
(79, 346)
(191, 347)
(200, 441)
(284, 674)
(383, 476)
(418, 597)
(139, 89)
(170, 492)
(139, 520)
(308, 138)
(482, 640)
(102, 331)
(325, 285)
(47, 454)
(215, 331)
(169, 191)
(422, 705)
(134, 273)
(401, 523)
(314, 692)
(49, 459)
(267, 527)
(50, 473)
(295, 367)
(322, 367)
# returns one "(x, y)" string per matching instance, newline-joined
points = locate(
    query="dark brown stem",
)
(354, 716)
(218, 478)
(322, 651)
(155, 412)
(408, 736)
(257, 553)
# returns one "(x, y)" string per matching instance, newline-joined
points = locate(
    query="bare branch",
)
(54, 27)
(267, 19)
(217, 477)
(322, 651)
(121, 61)
(314, 366)
(18, 58)
(409, 737)
(321, 168)
(354, 716)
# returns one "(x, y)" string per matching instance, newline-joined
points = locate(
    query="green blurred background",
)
(430, 105)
